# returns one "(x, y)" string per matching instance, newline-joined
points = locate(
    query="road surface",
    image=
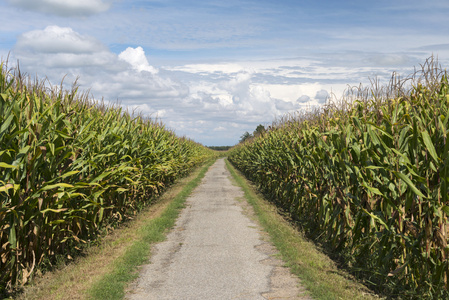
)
(215, 251)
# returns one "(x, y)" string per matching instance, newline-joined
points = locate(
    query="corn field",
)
(368, 177)
(70, 166)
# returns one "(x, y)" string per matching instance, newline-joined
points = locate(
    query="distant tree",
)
(245, 136)
(259, 130)
(220, 148)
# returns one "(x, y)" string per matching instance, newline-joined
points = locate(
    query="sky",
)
(213, 70)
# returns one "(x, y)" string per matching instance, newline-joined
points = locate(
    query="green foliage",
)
(220, 148)
(69, 166)
(260, 129)
(368, 178)
(245, 136)
(318, 274)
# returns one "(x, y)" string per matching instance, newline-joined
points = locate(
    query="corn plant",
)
(368, 178)
(70, 166)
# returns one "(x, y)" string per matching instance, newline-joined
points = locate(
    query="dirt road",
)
(215, 252)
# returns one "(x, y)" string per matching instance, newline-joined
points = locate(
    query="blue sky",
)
(211, 70)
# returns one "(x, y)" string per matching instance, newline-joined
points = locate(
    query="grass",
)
(317, 272)
(106, 270)
(366, 176)
(112, 286)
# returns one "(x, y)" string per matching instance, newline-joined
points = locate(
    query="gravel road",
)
(215, 251)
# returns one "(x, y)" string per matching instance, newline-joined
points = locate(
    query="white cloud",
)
(304, 99)
(238, 97)
(220, 128)
(137, 59)
(238, 85)
(282, 105)
(55, 39)
(57, 52)
(61, 47)
(235, 97)
(321, 96)
(225, 68)
(63, 7)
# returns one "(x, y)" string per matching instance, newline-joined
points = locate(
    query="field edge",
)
(316, 271)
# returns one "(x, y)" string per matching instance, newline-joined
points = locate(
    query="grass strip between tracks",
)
(317, 272)
(112, 285)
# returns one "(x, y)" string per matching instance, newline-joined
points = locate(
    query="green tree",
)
(245, 136)
(259, 130)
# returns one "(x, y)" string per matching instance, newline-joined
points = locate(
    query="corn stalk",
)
(369, 178)
(70, 166)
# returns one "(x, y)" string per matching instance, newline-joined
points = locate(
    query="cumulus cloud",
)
(304, 99)
(282, 105)
(60, 51)
(63, 7)
(239, 94)
(233, 98)
(238, 84)
(137, 59)
(55, 39)
(57, 52)
(321, 96)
